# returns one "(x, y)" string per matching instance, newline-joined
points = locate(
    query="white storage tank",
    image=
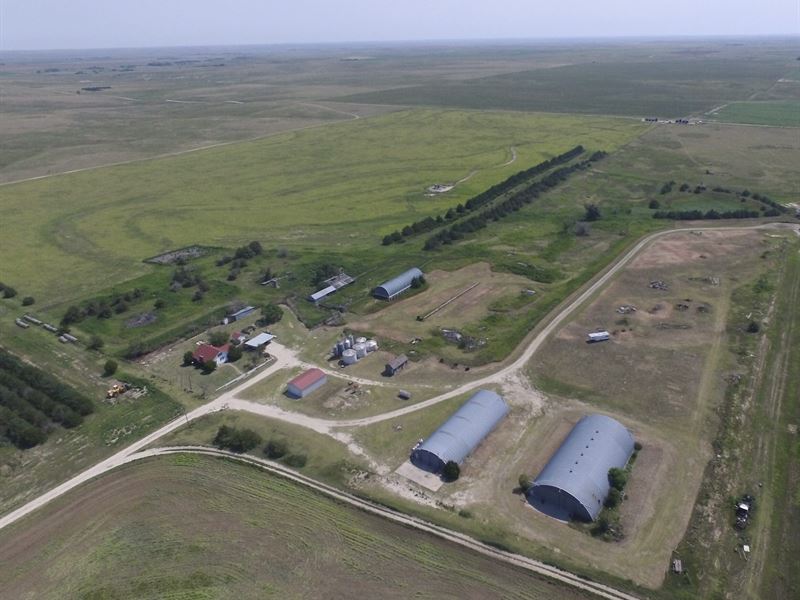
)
(361, 350)
(347, 345)
(361, 340)
(349, 356)
(372, 345)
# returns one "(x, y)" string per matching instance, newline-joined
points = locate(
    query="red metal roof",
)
(307, 379)
(206, 352)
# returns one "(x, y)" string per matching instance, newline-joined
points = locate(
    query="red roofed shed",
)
(306, 382)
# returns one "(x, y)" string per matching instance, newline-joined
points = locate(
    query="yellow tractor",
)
(115, 390)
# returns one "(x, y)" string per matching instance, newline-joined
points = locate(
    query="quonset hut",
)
(574, 484)
(461, 433)
(398, 285)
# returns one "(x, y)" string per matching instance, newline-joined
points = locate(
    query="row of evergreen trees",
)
(698, 215)
(512, 204)
(485, 197)
(32, 403)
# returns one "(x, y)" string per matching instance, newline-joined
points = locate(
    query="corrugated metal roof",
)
(398, 362)
(580, 466)
(398, 284)
(322, 293)
(260, 339)
(466, 428)
(307, 379)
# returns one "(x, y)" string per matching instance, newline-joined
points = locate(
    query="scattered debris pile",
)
(744, 509)
(657, 284)
(626, 309)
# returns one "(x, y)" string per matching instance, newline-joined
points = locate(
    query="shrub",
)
(524, 482)
(160, 303)
(209, 367)
(451, 471)
(234, 354)
(188, 358)
(218, 338)
(276, 448)
(654, 204)
(592, 212)
(28, 300)
(271, 314)
(753, 327)
(613, 499)
(96, 343)
(109, 368)
(298, 461)
(9, 292)
(236, 440)
(637, 446)
(617, 478)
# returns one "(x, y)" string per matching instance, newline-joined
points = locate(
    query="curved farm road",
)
(286, 358)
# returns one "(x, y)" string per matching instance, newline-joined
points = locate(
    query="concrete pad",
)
(427, 480)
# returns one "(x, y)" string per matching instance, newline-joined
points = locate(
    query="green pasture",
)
(778, 114)
(340, 188)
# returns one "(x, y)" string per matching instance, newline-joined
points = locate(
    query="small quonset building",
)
(461, 433)
(574, 484)
(396, 286)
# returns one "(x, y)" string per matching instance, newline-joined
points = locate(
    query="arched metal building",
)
(574, 484)
(461, 433)
(398, 285)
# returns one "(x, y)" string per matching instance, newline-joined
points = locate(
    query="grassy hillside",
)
(196, 527)
(339, 186)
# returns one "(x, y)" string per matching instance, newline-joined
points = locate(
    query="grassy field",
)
(661, 86)
(337, 187)
(179, 527)
(778, 114)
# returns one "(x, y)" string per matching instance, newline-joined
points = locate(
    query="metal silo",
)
(349, 356)
(361, 350)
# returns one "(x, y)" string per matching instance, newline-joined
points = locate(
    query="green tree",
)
(218, 338)
(753, 327)
(298, 461)
(592, 212)
(28, 300)
(234, 353)
(209, 367)
(271, 314)
(9, 292)
(617, 478)
(451, 471)
(276, 448)
(188, 358)
(109, 368)
(654, 204)
(524, 482)
(96, 343)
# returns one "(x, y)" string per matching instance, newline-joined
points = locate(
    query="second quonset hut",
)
(398, 285)
(574, 484)
(461, 433)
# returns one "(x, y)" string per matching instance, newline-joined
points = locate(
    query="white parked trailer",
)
(599, 336)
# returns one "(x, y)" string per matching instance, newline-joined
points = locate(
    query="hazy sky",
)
(45, 24)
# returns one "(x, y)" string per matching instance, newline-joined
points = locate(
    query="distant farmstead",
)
(305, 383)
(207, 352)
(398, 285)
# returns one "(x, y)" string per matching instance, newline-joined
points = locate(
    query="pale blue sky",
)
(46, 24)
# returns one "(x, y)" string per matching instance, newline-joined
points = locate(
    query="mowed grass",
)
(337, 187)
(780, 114)
(199, 527)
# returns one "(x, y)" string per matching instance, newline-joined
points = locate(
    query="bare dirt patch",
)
(398, 320)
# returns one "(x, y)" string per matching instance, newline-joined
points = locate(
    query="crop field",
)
(337, 187)
(663, 86)
(178, 525)
(777, 114)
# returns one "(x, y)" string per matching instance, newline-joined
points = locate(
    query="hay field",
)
(344, 185)
(187, 526)
(778, 114)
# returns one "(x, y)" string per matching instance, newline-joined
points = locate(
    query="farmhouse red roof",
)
(206, 352)
(307, 379)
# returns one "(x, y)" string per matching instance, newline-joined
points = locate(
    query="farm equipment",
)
(743, 509)
(117, 390)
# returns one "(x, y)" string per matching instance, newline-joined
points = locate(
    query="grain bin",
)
(372, 345)
(349, 356)
(361, 350)
(361, 340)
